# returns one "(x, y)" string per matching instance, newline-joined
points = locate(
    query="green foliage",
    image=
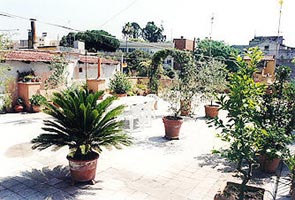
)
(58, 76)
(276, 116)
(5, 42)
(153, 33)
(127, 30)
(38, 100)
(81, 123)
(206, 49)
(95, 40)
(120, 84)
(137, 62)
(27, 76)
(212, 75)
(242, 105)
(187, 81)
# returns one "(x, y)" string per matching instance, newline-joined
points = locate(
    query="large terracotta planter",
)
(172, 127)
(211, 111)
(83, 171)
(268, 165)
(231, 192)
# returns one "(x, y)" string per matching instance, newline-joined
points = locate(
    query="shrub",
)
(120, 84)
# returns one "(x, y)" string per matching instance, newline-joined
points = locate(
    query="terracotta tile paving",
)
(151, 169)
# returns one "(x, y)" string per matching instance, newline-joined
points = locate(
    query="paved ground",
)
(151, 169)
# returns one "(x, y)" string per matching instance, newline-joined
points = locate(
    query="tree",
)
(95, 40)
(241, 128)
(127, 30)
(136, 30)
(131, 30)
(207, 49)
(135, 62)
(152, 33)
(5, 42)
(68, 41)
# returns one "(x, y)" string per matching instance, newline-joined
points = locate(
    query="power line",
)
(117, 14)
(5, 14)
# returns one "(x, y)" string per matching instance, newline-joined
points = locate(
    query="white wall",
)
(107, 71)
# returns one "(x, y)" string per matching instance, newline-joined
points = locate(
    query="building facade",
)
(273, 46)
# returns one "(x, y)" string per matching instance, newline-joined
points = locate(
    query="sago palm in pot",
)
(85, 126)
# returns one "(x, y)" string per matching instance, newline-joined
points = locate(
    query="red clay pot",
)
(36, 108)
(18, 108)
(172, 127)
(121, 95)
(211, 111)
(83, 171)
(268, 165)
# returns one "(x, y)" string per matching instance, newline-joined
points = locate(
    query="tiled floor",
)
(151, 169)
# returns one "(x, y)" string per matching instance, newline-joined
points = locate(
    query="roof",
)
(266, 57)
(46, 56)
(33, 56)
(94, 60)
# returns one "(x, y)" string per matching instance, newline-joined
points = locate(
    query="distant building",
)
(273, 46)
(184, 44)
(149, 47)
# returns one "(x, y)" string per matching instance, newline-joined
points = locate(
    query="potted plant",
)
(85, 126)
(120, 84)
(276, 118)
(173, 122)
(36, 101)
(213, 81)
(240, 129)
(20, 105)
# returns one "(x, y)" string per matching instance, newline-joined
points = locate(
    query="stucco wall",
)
(107, 71)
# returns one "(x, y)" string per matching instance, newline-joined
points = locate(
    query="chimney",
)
(30, 40)
(98, 68)
(33, 33)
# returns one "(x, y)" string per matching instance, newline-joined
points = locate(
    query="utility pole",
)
(279, 26)
(210, 35)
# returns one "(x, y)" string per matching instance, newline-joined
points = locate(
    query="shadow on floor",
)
(45, 184)
(216, 162)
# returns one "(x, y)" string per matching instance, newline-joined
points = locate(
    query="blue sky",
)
(235, 21)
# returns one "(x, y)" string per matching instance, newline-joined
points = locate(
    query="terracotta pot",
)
(83, 171)
(172, 127)
(231, 192)
(36, 108)
(121, 95)
(211, 111)
(268, 165)
(18, 108)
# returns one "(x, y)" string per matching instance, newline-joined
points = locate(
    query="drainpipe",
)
(98, 68)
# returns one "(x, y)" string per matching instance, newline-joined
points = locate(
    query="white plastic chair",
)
(156, 98)
(134, 112)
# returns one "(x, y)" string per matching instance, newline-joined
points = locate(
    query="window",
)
(266, 48)
(80, 70)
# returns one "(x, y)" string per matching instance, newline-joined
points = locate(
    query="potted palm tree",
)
(85, 126)
(120, 85)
